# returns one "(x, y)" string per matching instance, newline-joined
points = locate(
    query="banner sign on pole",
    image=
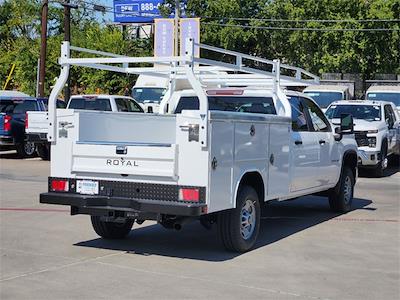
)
(190, 28)
(164, 35)
(136, 11)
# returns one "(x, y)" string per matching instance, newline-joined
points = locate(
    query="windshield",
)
(260, 105)
(148, 94)
(19, 106)
(362, 112)
(94, 103)
(392, 97)
(323, 99)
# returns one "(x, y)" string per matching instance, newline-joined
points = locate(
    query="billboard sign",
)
(136, 11)
(190, 28)
(164, 35)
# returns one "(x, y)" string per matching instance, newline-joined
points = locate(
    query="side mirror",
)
(346, 124)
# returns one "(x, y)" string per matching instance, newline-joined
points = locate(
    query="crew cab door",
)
(305, 149)
(329, 157)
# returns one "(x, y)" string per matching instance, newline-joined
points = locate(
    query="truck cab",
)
(214, 152)
(376, 128)
(324, 95)
(389, 93)
(148, 91)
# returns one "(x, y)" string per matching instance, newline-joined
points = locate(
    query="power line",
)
(305, 21)
(302, 28)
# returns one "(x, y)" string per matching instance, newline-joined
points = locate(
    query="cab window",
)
(389, 116)
(299, 116)
(260, 105)
(318, 119)
(127, 105)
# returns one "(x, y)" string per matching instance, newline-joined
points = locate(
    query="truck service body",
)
(214, 152)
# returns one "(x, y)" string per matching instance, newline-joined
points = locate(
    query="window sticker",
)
(372, 95)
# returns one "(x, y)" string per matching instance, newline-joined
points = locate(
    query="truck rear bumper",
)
(6, 140)
(89, 204)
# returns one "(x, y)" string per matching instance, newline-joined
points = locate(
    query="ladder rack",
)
(199, 72)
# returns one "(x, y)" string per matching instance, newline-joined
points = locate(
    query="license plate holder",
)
(87, 187)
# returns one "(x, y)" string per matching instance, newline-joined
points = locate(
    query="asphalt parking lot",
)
(304, 250)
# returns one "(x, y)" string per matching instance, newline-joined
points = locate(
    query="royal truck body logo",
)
(121, 163)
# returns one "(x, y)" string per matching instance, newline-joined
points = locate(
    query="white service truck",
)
(214, 153)
(325, 94)
(384, 93)
(36, 125)
(376, 128)
(148, 91)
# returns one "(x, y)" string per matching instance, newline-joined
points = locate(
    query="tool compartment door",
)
(279, 157)
(221, 165)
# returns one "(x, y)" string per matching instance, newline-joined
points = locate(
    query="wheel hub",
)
(347, 189)
(248, 219)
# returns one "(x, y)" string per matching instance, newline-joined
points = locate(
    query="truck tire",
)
(26, 149)
(238, 228)
(382, 165)
(341, 197)
(111, 230)
(43, 151)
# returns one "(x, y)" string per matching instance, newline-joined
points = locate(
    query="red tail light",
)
(7, 123)
(59, 186)
(189, 195)
(26, 120)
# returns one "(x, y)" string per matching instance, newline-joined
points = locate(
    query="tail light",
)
(7, 123)
(26, 120)
(189, 195)
(59, 186)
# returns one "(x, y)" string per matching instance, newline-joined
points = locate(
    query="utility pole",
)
(177, 27)
(67, 37)
(43, 46)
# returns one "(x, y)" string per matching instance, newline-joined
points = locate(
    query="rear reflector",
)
(7, 123)
(59, 186)
(189, 195)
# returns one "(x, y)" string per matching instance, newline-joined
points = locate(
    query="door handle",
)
(322, 142)
(298, 142)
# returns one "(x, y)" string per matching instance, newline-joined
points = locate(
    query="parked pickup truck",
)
(214, 153)
(12, 123)
(37, 124)
(377, 130)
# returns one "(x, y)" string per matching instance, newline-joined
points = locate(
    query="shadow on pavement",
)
(279, 220)
(9, 155)
(392, 169)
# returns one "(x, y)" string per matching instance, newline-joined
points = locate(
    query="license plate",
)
(87, 187)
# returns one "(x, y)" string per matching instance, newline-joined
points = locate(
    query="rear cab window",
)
(246, 104)
(18, 106)
(127, 105)
(90, 103)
